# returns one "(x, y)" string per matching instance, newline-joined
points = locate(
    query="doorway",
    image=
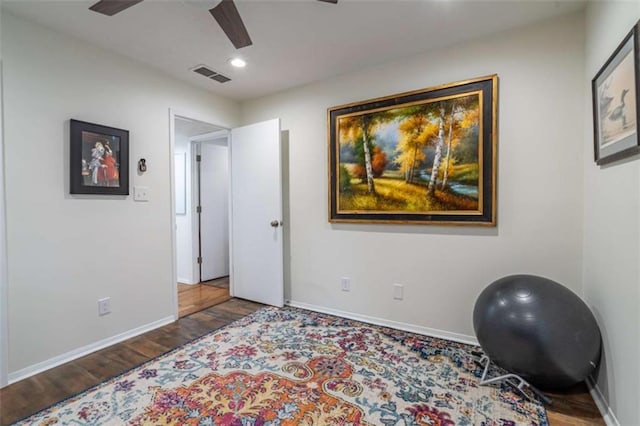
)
(255, 198)
(201, 181)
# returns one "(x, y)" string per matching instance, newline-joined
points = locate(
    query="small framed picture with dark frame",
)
(616, 95)
(99, 159)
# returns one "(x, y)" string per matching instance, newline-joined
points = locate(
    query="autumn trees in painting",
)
(423, 146)
(416, 157)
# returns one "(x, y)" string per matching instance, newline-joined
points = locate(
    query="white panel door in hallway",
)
(214, 202)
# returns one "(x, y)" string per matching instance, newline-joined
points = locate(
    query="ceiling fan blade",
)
(111, 7)
(330, 1)
(231, 23)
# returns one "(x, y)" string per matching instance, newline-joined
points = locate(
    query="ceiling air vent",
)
(220, 78)
(209, 73)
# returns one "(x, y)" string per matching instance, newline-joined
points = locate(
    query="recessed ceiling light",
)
(238, 62)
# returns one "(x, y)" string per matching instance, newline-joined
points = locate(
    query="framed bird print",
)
(616, 97)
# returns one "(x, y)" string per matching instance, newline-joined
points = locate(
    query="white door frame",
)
(4, 287)
(174, 256)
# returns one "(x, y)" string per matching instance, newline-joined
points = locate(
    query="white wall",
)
(612, 230)
(184, 241)
(443, 269)
(65, 251)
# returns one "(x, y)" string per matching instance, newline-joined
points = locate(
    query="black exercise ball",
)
(538, 329)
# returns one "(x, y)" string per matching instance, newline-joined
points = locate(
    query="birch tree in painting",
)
(439, 145)
(360, 130)
(464, 119)
(354, 130)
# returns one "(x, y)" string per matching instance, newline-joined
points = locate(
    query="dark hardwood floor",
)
(30, 395)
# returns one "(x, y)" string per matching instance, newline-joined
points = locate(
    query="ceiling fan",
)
(225, 13)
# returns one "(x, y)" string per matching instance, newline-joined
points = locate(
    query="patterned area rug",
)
(294, 367)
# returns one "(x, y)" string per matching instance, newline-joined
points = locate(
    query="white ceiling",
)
(295, 42)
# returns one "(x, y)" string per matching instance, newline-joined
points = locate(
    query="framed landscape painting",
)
(616, 94)
(99, 159)
(423, 157)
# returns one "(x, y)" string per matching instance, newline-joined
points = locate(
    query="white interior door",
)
(256, 203)
(214, 200)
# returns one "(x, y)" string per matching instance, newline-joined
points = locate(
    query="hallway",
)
(196, 297)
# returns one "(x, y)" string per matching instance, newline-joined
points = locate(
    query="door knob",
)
(275, 223)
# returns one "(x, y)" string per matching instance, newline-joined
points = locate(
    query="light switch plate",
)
(141, 193)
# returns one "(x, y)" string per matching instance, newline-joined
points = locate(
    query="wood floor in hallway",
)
(196, 297)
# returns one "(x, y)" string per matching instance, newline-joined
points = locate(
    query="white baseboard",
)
(602, 404)
(433, 332)
(85, 350)
(185, 281)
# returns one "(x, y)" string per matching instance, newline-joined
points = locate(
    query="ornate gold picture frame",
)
(422, 157)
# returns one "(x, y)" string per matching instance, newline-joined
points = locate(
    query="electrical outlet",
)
(398, 291)
(104, 306)
(346, 283)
